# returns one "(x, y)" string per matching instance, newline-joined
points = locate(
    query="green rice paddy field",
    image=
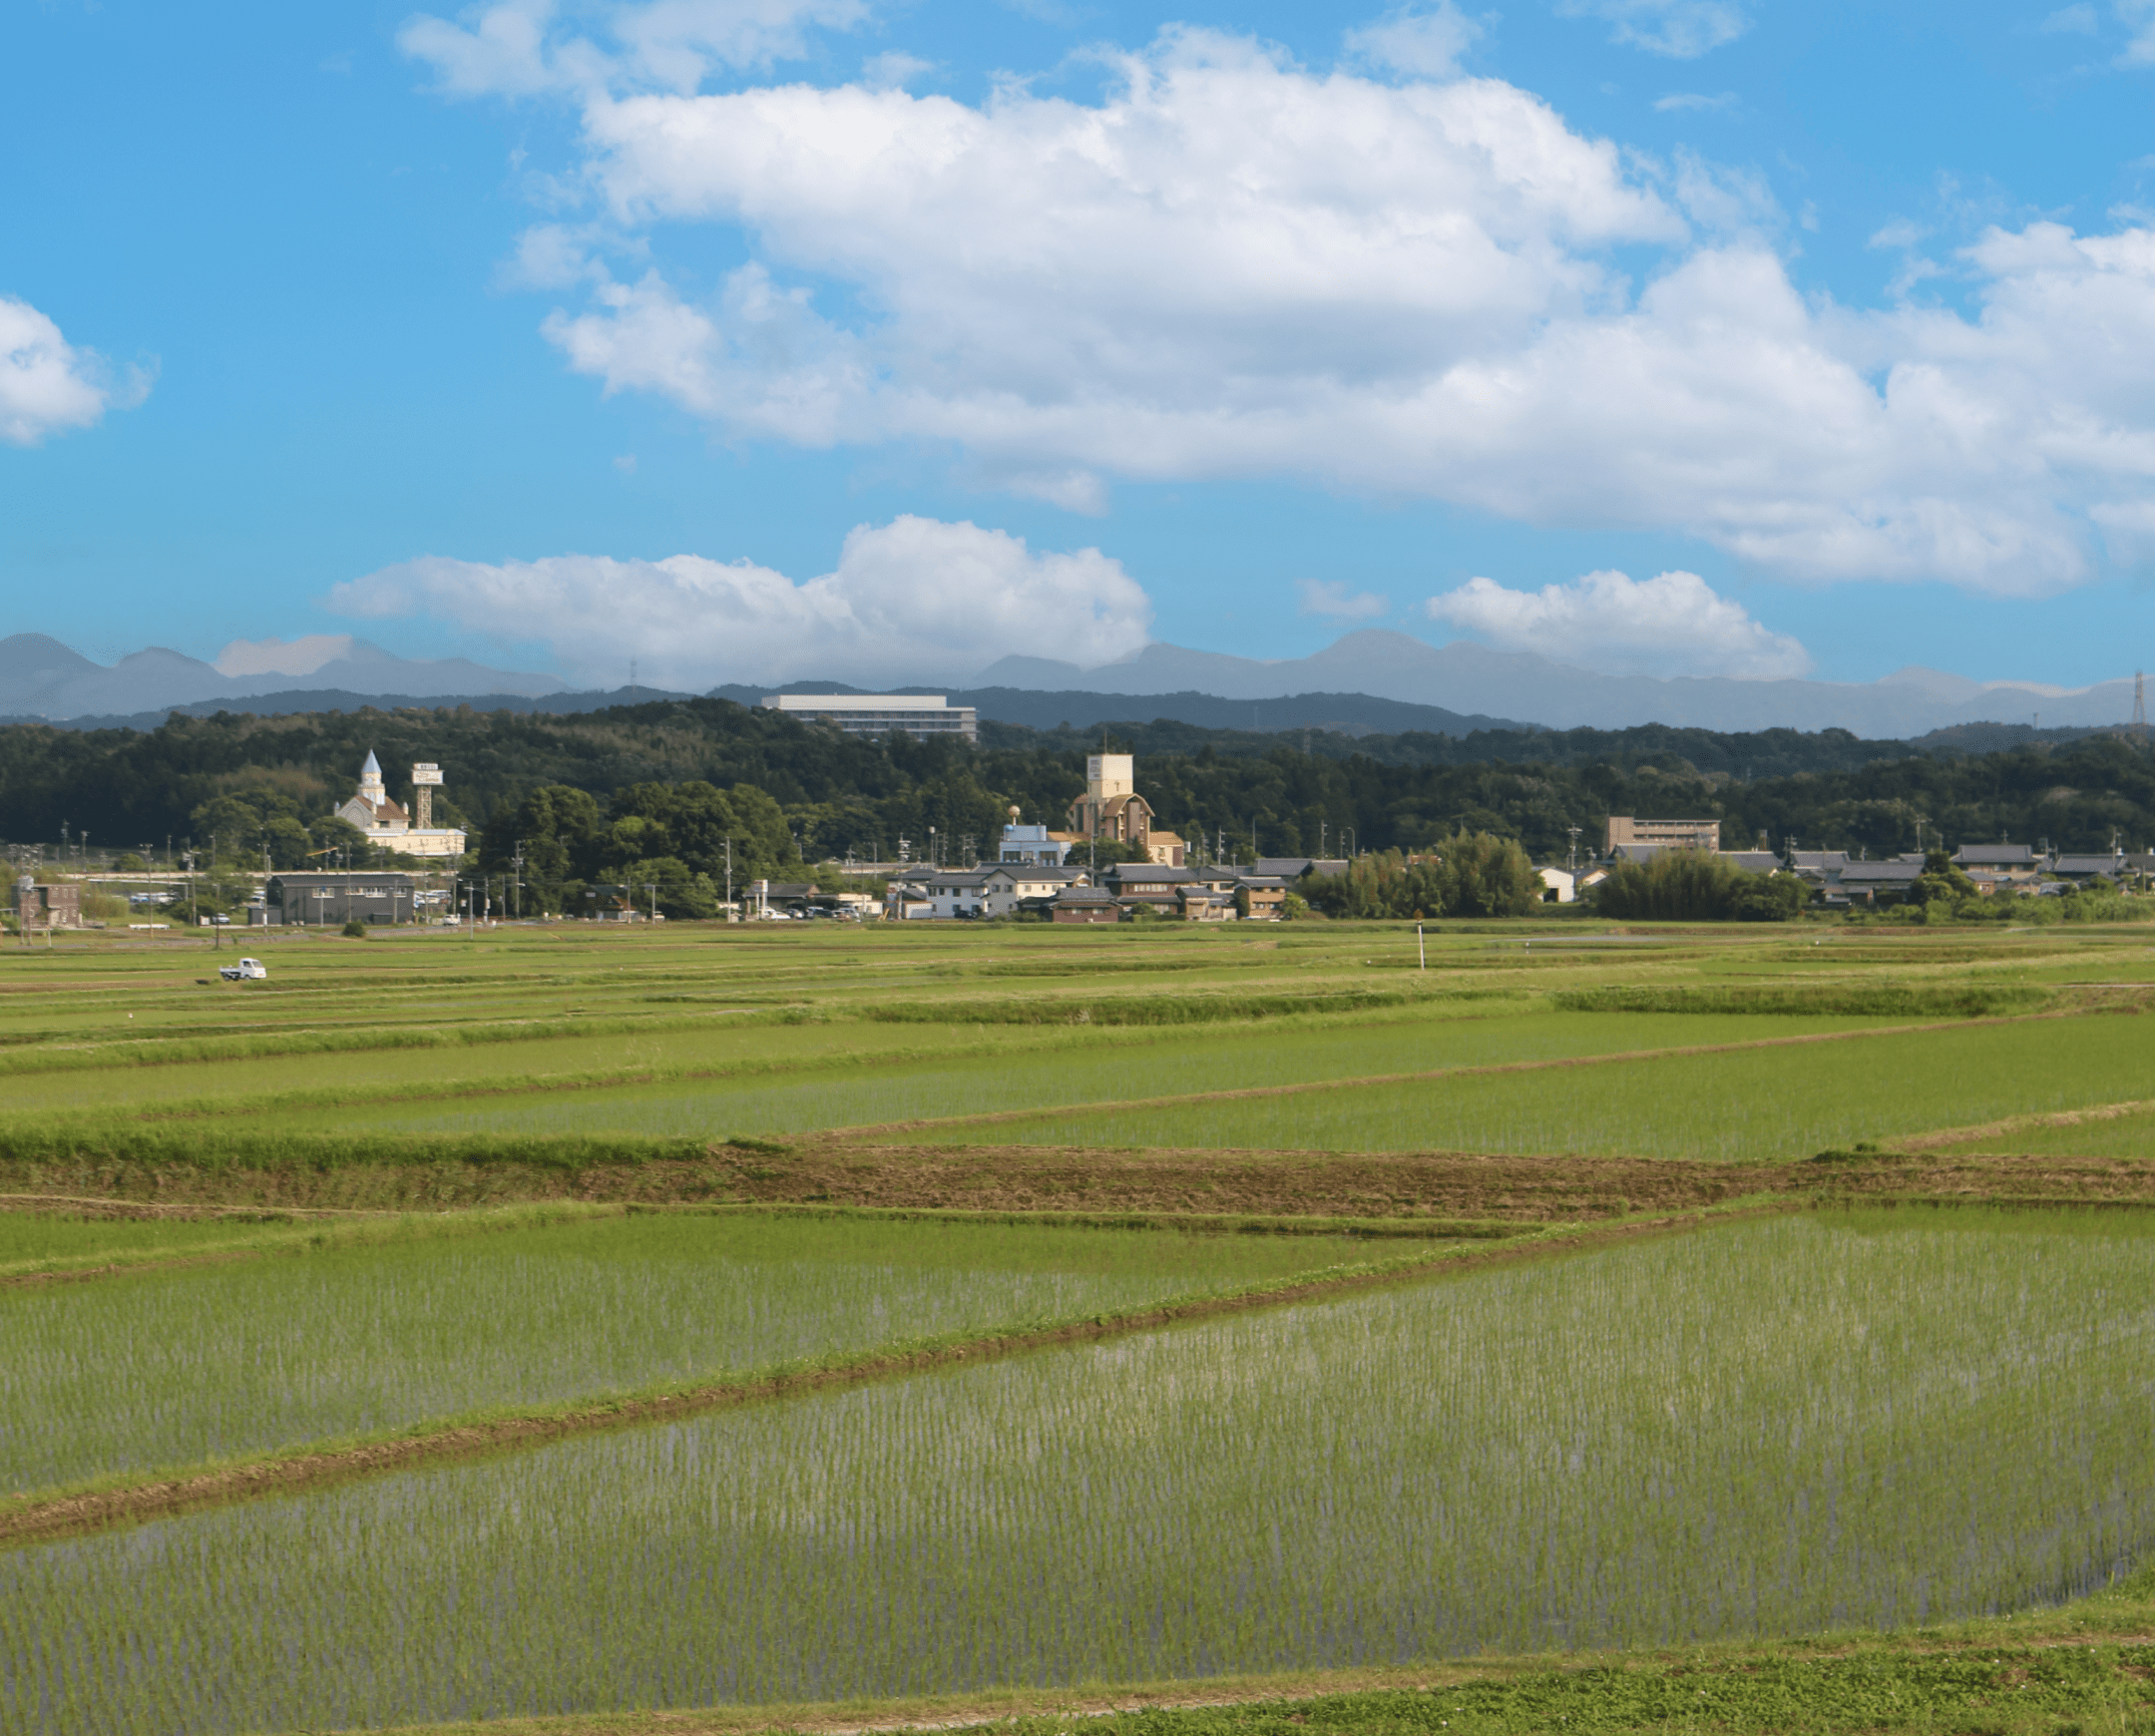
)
(807, 1329)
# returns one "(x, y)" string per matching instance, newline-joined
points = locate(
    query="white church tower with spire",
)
(385, 822)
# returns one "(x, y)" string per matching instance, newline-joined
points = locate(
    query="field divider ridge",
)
(1939, 1139)
(1190, 1223)
(31, 1517)
(323, 1230)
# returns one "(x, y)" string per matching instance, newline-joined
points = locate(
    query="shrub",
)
(1468, 874)
(354, 930)
(1697, 886)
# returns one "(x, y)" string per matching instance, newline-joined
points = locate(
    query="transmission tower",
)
(2139, 723)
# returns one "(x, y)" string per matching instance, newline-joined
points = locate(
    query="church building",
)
(1112, 808)
(389, 824)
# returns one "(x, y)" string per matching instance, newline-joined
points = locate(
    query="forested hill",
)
(125, 788)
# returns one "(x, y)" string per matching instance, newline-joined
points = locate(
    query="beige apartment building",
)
(1667, 834)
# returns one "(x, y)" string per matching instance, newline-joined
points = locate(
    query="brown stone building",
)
(1112, 810)
(58, 906)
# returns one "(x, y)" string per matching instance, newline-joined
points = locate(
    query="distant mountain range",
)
(41, 677)
(1367, 681)
(1471, 678)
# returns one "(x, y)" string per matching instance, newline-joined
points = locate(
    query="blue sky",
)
(749, 337)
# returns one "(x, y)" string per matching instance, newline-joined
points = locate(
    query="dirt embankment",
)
(1523, 1189)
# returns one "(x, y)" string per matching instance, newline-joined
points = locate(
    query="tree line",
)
(657, 782)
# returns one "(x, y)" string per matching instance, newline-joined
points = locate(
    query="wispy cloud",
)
(529, 47)
(1330, 597)
(1420, 41)
(280, 656)
(1680, 29)
(2138, 17)
(1692, 100)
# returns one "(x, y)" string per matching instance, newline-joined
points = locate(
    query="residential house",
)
(1086, 904)
(1878, 882)
(1819, 867)
(1260, 897)
(1147, 885)
(1013, 886)
(979, 893)
(1294, 867)
(2083, 868)
(1200, 902)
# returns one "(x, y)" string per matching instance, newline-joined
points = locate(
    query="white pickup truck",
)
(245, 971)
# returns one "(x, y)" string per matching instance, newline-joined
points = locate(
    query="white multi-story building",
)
(918, 714)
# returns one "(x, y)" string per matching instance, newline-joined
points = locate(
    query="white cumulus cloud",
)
(916, 600)
(47, 385)
(280, 656)
(1233, 265)
(1673, 623)
(1330, 596)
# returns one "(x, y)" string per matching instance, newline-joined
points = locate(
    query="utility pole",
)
(731, 913)
(1572, 858)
